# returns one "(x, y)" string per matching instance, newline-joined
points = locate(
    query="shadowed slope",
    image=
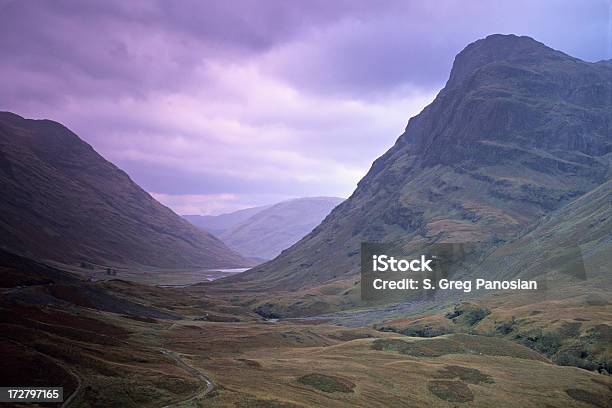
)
(63, 201)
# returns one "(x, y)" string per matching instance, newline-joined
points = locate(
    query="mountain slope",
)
(518, 131)
(268, 232)
(63, 201)
(572, 243)
(218, 224)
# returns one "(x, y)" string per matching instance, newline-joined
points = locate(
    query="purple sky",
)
(217, 106)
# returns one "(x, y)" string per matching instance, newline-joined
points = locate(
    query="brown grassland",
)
(442, 358)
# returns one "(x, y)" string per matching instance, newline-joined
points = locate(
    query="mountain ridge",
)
(263, 232)
(217, 224)
(500, 147)
(272, 230)
(53, 181)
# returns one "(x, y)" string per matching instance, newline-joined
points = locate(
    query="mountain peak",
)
(519, 131)
(497, 48)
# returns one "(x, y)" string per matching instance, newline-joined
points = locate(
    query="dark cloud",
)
(414, 43)
(236, 101)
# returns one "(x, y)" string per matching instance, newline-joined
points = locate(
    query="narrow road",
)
(207, 382)
(70, 399)
(69, 370)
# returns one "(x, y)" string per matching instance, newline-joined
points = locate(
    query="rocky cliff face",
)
(518, 131)
(62, 201)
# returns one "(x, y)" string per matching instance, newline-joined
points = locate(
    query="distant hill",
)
(63, 201)
(519, 131)
(263, 232)
(218, 224)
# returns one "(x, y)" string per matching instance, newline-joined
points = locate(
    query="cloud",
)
(199, 204)
(218, 105)
(257, 130)
(213, 204)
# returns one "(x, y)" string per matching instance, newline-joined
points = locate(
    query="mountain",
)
(277, 227)
(218, 224)
(263, 232)
(518, 131)
(63, 201)
(571, 243)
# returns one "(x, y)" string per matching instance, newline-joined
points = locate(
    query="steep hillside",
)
(218, 224)
(268, 232)
(573, 243)
(518, 131)
(63, 201)
(569, 253)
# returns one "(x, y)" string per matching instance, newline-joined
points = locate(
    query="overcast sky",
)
(213, 106)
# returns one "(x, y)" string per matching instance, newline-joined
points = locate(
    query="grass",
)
(327, 383)
(263, 403)
(451, 391)
(295, 363)
(456, 344)
(258, 364)
(589, 397)
(469, 375)
(570, 328)
(468, 313)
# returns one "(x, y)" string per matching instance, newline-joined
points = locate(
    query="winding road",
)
(207, 382)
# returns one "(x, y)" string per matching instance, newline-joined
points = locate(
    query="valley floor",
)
(180, 350)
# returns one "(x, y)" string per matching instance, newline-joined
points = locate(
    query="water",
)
(230, 270)
(187, 278)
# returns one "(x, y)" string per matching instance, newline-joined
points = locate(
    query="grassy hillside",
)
(63, 201)
(570, 247)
